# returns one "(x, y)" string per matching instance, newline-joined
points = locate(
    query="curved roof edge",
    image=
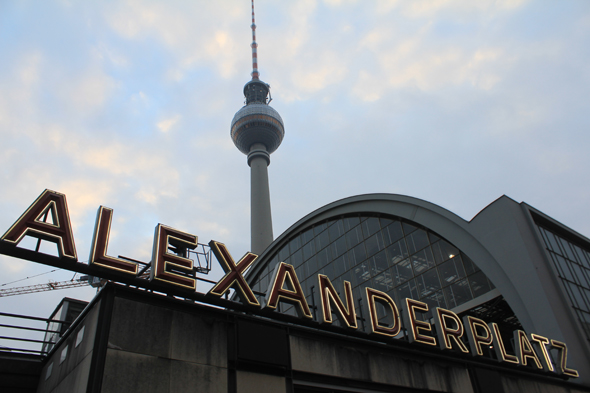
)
(436, 218)
(369, 202)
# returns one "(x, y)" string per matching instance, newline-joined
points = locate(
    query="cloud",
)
(181, 28)
(167, 124)
(12, 266)
(412, 63)
(328, 70)
(29, 69)
(87, 92)
(337, 3)
(430, 8)
(21, 81)
(105, 52)
(84, 195)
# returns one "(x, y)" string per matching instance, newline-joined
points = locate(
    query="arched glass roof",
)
(384, 252)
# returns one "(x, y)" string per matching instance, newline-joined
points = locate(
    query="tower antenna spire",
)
(254, 45)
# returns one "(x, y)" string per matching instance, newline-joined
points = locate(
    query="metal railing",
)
(25, 334)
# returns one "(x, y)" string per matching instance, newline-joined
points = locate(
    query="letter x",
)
(233, 273)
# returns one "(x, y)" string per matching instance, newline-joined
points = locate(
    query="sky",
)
(128, 104)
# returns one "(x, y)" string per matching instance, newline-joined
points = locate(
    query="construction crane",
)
(81, 282)
(201, 258)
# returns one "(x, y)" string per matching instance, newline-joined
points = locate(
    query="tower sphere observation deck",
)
(257, 122)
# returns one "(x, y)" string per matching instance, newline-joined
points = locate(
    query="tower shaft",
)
(261, 235)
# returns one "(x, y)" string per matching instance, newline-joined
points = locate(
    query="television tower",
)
(257, 131)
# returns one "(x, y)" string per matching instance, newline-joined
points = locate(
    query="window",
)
(385, 253)
(573, 268)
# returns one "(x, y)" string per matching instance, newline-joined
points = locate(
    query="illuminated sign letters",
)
(34, 223)
(447, 335)
(416, 326)
(48, 219)
(285, 274)
(328, 296)
(542, 349)
(172, 268)
(375, 297)
(499, 346)
(563, 369)
(477, 340)
(233, 273)
(100, 242)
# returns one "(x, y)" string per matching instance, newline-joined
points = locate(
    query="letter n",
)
(328, 295)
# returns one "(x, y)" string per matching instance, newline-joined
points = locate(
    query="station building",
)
(511, 265)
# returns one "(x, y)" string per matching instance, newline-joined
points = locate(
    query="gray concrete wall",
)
(248, 382)
(515, 385)
(157, 349)
(368, 363)
(160, 344)
(71, 375)
(360, 363)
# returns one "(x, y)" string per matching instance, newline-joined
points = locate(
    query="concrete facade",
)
(69, 368)
(138, 341)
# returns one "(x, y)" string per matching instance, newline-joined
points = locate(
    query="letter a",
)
(32, 224)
